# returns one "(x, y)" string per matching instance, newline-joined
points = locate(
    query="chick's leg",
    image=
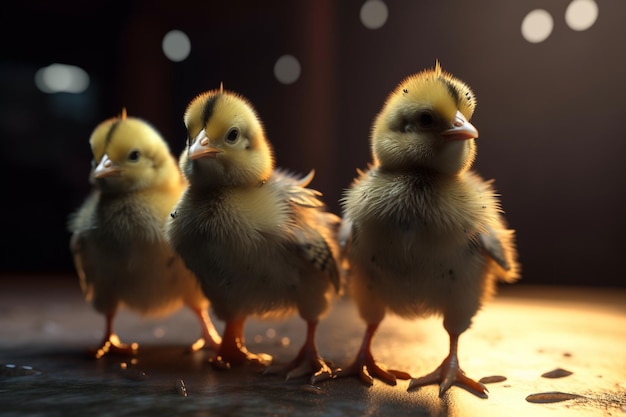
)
(210, 337)
(308, 360)
(365, 367)
(450, 373)
(111, 344)
(233, 352)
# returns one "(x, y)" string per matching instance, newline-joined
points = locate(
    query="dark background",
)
(551, 116)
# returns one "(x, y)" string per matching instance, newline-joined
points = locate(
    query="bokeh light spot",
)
(176, 45)
(62, 78)
(581, 14)
(287, 69)
(537, 26)
(374, 14)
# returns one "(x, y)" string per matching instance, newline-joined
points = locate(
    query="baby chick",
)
(259, 241)
(118, 241)
(426, 232)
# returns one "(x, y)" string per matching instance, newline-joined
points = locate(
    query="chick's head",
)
(424, 123)
(129, 155)
(226, 141)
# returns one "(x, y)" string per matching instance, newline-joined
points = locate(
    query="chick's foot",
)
(447, 374)
(111, 345)
(307, 362)
(203, 343)
(233, 352)
(227, 358)
(366, 368)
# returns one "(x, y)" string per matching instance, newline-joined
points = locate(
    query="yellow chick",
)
(118, 241)
(426, 234)
(259, 241)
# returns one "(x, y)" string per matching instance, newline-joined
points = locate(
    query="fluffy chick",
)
(259, 241)
(118, 241)
(426, 233)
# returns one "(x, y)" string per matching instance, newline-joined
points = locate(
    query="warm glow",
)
(159, 332)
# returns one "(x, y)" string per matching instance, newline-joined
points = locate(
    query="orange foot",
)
(203, 343)
(233, 352)
(111, 345)
(228, 359)
(366, 368)
(447, 374)
(307, 362)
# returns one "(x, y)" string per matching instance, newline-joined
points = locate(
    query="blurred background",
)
(549, 77)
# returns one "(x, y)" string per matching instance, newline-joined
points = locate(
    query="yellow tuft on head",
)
(407, 132)
(441, 90)
(437, 68)
(121, 132)
(218, 112)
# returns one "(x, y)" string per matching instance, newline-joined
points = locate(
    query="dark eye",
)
(232, 135)
(134, 155)
(426, 120)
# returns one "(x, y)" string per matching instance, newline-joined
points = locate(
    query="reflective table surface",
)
(549, 351)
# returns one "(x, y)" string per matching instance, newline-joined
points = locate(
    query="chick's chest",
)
(230, 247)
(234, 222)
(409, 228)
(126, 220)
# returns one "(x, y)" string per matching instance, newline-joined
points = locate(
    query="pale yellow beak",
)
(461, 129)
(201, 147)
(106, 168)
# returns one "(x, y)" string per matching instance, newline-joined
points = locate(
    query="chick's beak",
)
(461, 129)
(106, 168)
(201, 149)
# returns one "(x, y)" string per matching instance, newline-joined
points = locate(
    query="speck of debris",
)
(557, 373)
(311, 389)
(181, 388)
(551, 397)
(492, 379)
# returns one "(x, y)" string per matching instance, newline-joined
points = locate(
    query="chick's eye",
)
(426, 120)
(134, 155)
(232, 135)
